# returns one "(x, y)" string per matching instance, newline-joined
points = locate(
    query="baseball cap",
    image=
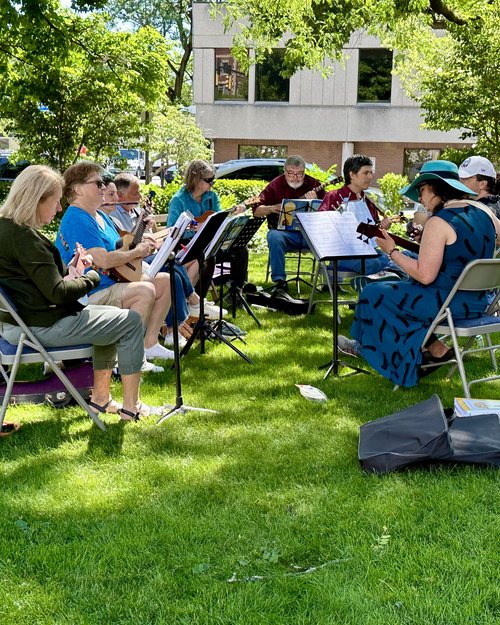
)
(475, 165)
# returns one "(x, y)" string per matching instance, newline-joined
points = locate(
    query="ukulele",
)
(77, 265)
(131, 271)
(371, 230)
(320, 187)
(252, 201)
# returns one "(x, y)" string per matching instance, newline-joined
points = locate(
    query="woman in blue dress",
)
(392, 318)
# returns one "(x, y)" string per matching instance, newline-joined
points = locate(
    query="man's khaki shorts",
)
(112, 296)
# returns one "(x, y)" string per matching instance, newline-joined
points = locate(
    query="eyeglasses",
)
(99, 183)
(420, 187)
(294, 174)
(209, 180)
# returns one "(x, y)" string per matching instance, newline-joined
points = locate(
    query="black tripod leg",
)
(216, 333)
(246, 306)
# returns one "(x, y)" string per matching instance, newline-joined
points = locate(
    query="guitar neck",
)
(321, 186)
(370, 231)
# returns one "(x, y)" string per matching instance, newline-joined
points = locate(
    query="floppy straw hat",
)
(445, 171)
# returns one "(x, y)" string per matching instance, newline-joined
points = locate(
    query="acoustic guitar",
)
(371, 230)
(132, 270)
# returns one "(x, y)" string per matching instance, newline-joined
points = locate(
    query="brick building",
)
(361, 108)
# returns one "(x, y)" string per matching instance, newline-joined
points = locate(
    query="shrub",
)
(390, 184)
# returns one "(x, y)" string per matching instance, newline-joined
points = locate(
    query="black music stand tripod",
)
(179, 407)
(332, 237)
(333, 365)
(235, 293)
(204, 328)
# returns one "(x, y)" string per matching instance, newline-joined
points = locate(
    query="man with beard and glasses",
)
(292, 184)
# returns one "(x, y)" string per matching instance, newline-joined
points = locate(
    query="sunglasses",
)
(99, 183)
(209, 180)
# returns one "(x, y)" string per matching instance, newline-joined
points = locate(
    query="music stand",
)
(332, 237)
(179, 406)
(205, 244)
(234, 293)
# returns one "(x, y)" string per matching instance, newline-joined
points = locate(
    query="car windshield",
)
(129, 154)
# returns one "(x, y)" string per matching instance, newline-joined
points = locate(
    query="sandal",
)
(130, 416)
(185, 330)
(8, 428)
(432, 363)
(111, 407)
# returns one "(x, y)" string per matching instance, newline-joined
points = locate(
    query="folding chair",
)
(29, 350)
(478, 275)
(322, 277)
(300, 256)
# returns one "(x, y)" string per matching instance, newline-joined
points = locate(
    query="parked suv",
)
(252, 169)
(130, 160)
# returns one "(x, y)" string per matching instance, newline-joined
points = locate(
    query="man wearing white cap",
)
(479, 175)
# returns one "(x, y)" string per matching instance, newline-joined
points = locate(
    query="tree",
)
(454, 79)
(176, 138)
(76, 83)
(319, 29)
(173, 20)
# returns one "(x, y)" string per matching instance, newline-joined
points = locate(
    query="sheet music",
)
(287, 219)
(331, 234)
(359, 208)
(227, 232)
(203, 236)
(170, 243)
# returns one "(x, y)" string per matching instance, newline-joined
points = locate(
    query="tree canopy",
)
(173, 20)
(315, 29)
(68, 81)
(447, 53)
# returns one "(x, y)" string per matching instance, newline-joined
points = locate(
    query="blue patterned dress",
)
(392, 318)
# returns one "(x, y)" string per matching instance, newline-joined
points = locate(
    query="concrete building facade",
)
(325, 120)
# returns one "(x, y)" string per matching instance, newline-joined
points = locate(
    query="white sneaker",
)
(212, 311)
(169, 340)
(158, 351)
(149, 367)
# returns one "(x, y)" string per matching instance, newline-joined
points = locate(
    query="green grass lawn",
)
(216, 518)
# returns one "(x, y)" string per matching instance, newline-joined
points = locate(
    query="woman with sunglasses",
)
(197, 197)
(392, 318)
(84, 223)
(47, 296)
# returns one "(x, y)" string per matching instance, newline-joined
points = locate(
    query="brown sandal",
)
(8, 428)
(186, 330)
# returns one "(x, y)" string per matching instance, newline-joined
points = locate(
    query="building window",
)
(230, 82)
(415, 158)
(262, 151)
(374, 75)
(270, 86)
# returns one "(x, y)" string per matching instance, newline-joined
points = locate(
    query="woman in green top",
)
(46, 296)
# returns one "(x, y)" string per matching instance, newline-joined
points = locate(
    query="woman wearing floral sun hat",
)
(392, 318)
(479, 175)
